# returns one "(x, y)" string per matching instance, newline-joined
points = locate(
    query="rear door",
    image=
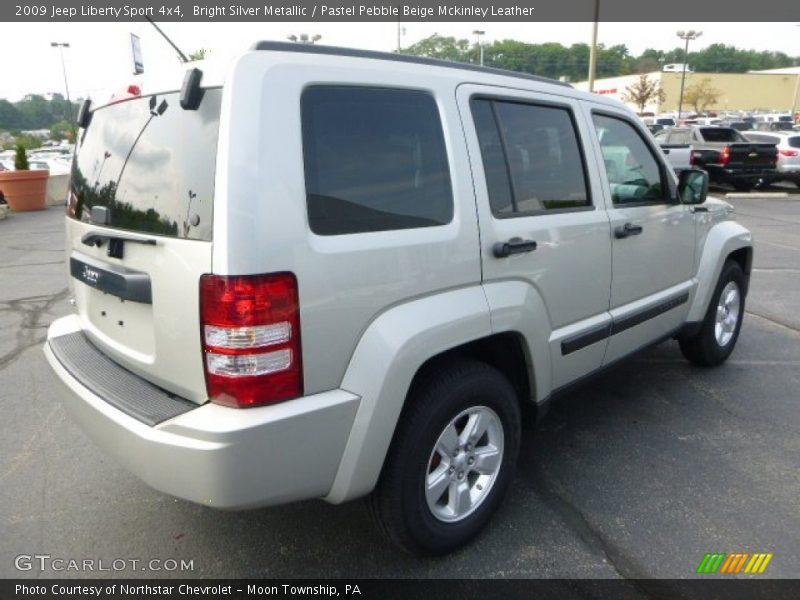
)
(653, 235)
(538, 199)
(139, 234)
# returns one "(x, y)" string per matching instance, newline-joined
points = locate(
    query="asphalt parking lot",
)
(637, 475)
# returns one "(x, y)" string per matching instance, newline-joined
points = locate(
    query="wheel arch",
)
(726, 240)
(395, 353)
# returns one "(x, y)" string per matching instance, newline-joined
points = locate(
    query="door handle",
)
(627, 230)
(513, 246)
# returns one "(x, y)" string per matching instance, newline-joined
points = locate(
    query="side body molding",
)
(722, 239)
(383, 365)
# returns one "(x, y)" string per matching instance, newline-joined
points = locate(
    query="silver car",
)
(788, 143)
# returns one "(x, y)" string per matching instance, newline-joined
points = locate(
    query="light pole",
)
(796, 94)
(478, 33)
(401, 31)
(304, 38)
(61, 46)
(686, 36)
(593, 47)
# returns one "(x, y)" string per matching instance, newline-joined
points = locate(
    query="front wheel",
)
(452, 458)
(717, 336)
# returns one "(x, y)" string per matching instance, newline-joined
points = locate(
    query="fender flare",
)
(723, 239)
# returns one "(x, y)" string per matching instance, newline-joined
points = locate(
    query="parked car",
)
(728, 157)
(675, 143)
(788, 146)
(774, 126)
(408, 256)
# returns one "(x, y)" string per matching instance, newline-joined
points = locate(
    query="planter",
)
(25, 190)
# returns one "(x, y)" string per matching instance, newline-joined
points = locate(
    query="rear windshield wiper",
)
(115, 241)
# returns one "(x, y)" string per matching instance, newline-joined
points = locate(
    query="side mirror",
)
(692, 186)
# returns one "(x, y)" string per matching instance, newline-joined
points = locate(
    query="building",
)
(773, 90)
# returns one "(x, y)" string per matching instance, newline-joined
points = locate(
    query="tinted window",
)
(375, 160)
(531, 156)
(152, 164)
(794, 142)
(634, 174)
(721, 134)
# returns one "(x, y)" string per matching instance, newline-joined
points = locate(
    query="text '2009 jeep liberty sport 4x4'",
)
(333, 274)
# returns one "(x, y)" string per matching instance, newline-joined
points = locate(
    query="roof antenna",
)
(181, 55)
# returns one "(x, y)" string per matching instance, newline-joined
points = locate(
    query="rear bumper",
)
(217, 456)
(725, 174)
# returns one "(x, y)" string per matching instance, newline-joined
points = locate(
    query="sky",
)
(99, 57)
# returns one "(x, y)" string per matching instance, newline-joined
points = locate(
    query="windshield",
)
(152, 164)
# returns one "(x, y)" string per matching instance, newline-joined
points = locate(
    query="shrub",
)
(21, 159)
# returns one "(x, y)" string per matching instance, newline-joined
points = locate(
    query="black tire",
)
(743, 186)
(704, 348)
(398, 503)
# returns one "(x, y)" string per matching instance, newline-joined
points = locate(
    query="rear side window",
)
(375, 160)
(531, 157)
(794, 142)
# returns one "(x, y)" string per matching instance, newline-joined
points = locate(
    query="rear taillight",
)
(250, 326)
(725, 155)
(785, 152)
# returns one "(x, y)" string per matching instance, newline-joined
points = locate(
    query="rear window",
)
(531, 157)
(152, 164)
(721, 134)
(375, 160)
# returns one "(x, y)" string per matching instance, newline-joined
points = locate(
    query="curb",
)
(757, 195)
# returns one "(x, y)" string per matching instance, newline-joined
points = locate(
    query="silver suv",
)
(335, 274)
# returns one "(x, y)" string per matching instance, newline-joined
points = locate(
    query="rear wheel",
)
(451, 460)
(717, 336)
(743, 186)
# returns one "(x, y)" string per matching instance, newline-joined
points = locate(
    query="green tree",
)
(701, 95)
(62, 130)
(644, 91)
(9, 116)
(438, 46)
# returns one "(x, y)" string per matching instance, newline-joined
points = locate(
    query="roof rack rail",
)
(421, 60)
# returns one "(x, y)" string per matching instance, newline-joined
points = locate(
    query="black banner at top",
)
(392, 10)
